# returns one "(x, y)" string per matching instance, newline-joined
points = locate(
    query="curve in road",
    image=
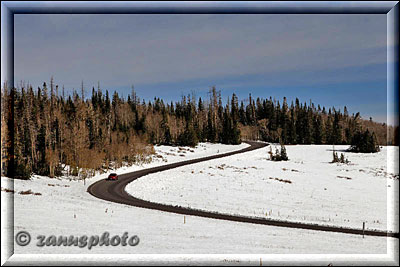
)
(114, 191)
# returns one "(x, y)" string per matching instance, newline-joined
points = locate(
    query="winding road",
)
(114, 191)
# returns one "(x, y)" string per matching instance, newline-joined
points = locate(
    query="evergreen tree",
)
(226, 134)
(336, 130)
(242, 114)
(284, 156)
(201, 106)
(211, 131)
(364, 142)
(167, 139)
(188, 137)
(329, 132)
(292, 136)
(318, 130)
(284, 122)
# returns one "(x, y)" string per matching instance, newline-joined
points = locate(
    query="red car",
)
(112, 176)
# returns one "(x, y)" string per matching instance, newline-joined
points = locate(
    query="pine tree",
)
(292, 136)
(242, 114)
(364, 142)
(328, 131)
(226, 134)
(167, 139)
(318, 130)
(308, 131)
(335, 156)
(284, 156)
(211, 131)
(201, 106)
(188, 137)
(284, 122)
(337, 130)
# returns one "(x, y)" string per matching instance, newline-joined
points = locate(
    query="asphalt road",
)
(114, 191)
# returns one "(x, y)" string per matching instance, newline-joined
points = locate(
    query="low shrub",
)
(279, 155)
(364, 142)
(337, 159)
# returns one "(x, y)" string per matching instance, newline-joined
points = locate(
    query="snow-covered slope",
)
(307, 188)
(65, 208)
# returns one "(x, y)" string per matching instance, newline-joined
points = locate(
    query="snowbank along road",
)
(114, 191)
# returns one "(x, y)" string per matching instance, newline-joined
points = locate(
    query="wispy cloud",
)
(166, 55)
(147, 49)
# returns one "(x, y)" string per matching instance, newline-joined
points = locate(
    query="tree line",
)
(45, 131)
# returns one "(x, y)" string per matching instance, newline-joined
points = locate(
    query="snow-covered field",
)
(307, 188)
(65, 208)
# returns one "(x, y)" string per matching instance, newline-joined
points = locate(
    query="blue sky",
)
(334, 60)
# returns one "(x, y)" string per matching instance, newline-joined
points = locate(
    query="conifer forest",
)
(45, 131)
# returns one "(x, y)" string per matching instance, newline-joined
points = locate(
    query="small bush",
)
(188, 137)
(22, 172)
(364, 142)
(58, 170)
(283, 153)
(337, 159)
(281, 180)
(279, 155)
(29, 192)
(74, 171)
(7, 190)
